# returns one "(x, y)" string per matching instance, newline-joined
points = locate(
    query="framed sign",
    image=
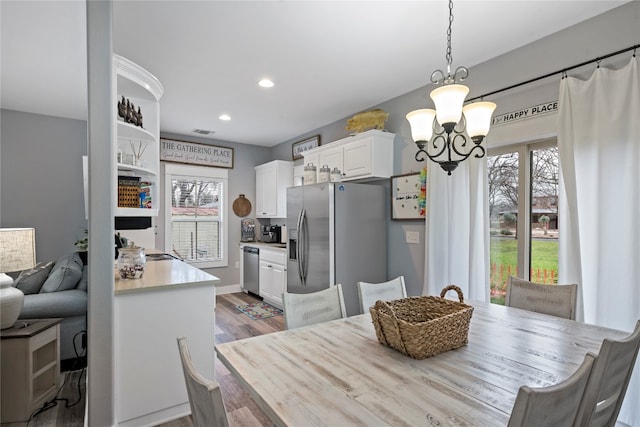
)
(172, 150)
(408, 196)
(306, 144)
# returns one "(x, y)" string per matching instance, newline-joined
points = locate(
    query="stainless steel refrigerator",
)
(337, 233)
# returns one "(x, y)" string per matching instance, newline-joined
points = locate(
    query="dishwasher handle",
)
(251, 250)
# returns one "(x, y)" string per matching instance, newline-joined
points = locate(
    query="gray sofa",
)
(58, 290)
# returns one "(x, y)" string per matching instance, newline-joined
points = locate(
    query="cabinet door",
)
(357, 158)
(266, 280)
(331, 157)
(266, 191)
(279, 277)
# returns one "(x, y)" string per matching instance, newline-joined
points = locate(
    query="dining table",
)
(337, 373)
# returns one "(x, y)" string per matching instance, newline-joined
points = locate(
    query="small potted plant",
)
(82, 245)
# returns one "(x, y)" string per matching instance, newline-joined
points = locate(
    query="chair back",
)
(205, 397)
(609, 380)
(369, 293)
(556, 300)
(552, 406)
(316, 307)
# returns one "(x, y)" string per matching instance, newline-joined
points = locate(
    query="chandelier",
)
(450, 123)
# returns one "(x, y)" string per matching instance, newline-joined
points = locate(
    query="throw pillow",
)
(30, 281)
(65, 275)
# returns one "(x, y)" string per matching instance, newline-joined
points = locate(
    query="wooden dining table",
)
(338, 374)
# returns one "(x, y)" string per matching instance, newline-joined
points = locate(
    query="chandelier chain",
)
(449, 56)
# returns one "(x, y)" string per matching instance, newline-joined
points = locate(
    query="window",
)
(195, 214)
(524, 235)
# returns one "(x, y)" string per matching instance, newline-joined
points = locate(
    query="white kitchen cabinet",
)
(332, 157)
(272, 180)
(367, 155)
(273, 276)
(138, 147)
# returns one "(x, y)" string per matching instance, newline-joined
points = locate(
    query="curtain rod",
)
(564, 70)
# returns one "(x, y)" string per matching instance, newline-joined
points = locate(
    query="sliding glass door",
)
(523, 209)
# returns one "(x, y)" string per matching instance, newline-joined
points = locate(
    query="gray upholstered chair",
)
(552, 406)
(609, 381)
(316, 307)
(369, 293)
(556, 300)
(205, 397)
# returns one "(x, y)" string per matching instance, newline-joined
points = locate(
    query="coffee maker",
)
(271, 233)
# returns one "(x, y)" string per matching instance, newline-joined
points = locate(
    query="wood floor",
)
(231, 325)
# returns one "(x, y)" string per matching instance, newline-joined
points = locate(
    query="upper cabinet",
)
(272, 180)
(136, 97)
(367, 155)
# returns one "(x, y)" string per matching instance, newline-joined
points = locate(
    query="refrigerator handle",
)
(303, 247)
(299, 246)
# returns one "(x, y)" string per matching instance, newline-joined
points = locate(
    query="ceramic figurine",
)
(122, 109)
(139, 117)
(133, 119)
(374, 119)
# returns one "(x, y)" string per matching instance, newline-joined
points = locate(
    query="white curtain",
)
(457, 232)
(599, 146)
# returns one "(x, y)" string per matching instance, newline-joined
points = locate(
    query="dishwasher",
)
(251, 270)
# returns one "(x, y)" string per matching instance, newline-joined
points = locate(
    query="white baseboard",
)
(228, 289)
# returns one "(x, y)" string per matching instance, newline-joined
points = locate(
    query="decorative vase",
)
(131, 261)
(11, 300)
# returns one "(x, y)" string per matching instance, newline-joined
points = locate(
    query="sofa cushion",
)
(83, 283)
(65, 274)
(30, 281)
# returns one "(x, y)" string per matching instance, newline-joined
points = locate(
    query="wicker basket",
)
(424, 326)
(129, 196)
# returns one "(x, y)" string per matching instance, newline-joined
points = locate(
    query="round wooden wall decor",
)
(241, 206)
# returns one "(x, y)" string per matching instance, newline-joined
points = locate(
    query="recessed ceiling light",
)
(224, 117)
(266, 83)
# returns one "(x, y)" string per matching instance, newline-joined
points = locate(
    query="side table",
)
(30, 363)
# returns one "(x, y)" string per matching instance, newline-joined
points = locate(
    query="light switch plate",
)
(237, 265)
(412, 237)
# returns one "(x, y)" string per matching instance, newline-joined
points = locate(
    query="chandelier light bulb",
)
(448, 100)
(478, 117)
(421, 122)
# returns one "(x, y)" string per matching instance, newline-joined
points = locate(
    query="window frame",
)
(174, 170)
(523, 228)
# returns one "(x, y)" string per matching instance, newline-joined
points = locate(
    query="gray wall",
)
(41, 182)
(599, 36)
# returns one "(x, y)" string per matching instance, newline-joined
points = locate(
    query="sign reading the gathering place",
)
(525, 113)
(197, 154)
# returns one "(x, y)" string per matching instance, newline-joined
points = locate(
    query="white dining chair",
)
(556, 300)
(552, 406)
(316, 307)
(205, 397)
(609, 381)
(369, 293)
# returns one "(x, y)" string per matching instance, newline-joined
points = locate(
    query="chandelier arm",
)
(434, 76)
(460, 74)
(466, 155)
(421, 151)
(439, 151)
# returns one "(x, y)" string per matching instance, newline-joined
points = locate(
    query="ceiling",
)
(328, 59)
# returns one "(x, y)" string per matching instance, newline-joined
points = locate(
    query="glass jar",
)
(131, 261)
(309, 174)
(336, 175)
(323, 175)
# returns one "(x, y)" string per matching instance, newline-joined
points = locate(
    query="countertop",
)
(164, 274)
(274, 246)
